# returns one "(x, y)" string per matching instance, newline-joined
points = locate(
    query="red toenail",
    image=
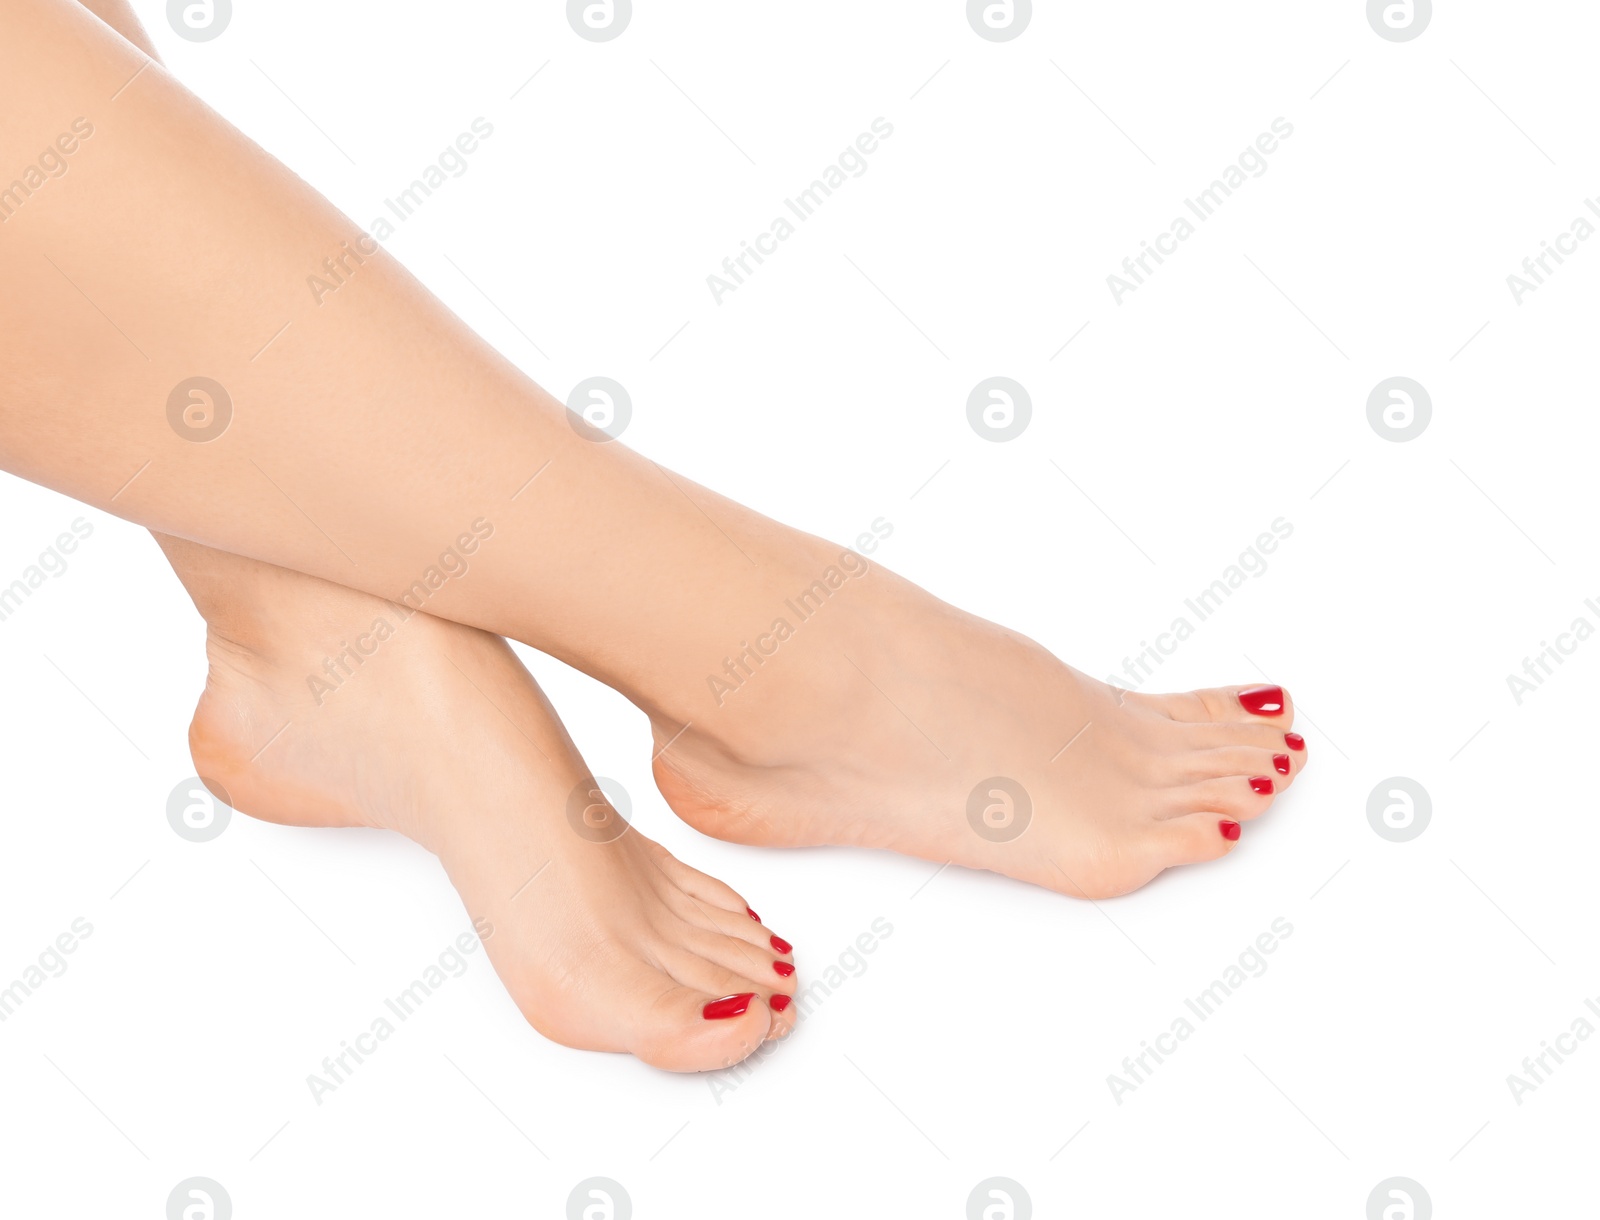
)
(1261, 784)
(781, 945)
(1280, 764)
(778, 1003)
(728, 1006)
(784, 968)
(1294, 741)
(1230, 830)
(1262, 700)
(752, 914)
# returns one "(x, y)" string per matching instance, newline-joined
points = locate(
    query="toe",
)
(713, 976)
(649, 1001)
(693, 969)
(1263, 702)
(687, 1029)
(760, 964)
(1279, 765)
(1240, 797)
(707, 890)
(1193, 839)
(706, 902)
(719, 920)
(1260, 703)
(1263, 735)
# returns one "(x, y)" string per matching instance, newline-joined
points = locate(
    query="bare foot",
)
(886, 718)
(605, 943)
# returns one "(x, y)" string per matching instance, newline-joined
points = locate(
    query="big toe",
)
(1266, 703)
(686, 1029)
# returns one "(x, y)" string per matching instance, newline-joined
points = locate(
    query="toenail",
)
(1294, 741)
(728, 1006)
(1280, 764)
(778, 1003)
(752, 914)
(1261, 785)
(1262, 700)
(1230, 830)
(781, 945)
(784, 968)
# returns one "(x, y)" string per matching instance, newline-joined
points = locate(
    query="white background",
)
(1227, 392)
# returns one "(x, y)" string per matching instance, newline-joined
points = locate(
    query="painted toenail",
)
(784, 968)
(728, 1006)
(1294, 741)
(1262, 700)
(752, 914)
(781, 945)
(778, 1003)
(1230, 830)
(1280, 764)
(1261, 785)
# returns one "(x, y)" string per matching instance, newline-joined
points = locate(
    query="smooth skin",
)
(604, 943)
(441, 735)
(374, 431)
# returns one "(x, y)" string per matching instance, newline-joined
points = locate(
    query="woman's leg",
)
(368, 433)
(797, 695)
(329, 707)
